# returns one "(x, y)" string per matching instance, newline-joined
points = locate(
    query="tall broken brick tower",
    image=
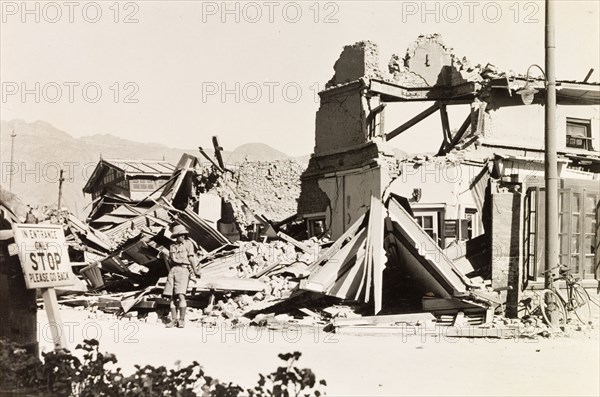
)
(351, 160)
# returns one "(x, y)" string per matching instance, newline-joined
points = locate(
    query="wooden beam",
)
(323, 279)
(351, 232)
(445, 124)
(421, 116)
(349, 285)
(457, 137)
(449, 305)
(447, 135)
(385, 320)
(218, 150)
(295, 243)
(206, 156)
(377, 252)
(462, 93)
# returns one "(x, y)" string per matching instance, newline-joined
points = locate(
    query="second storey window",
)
(579, 134)
(144, 185)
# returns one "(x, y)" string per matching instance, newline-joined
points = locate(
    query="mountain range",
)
(40, 150)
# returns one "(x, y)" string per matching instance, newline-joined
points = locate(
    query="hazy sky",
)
(175, 59)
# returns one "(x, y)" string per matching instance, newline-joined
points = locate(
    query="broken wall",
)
(356, 61)
(341, 120)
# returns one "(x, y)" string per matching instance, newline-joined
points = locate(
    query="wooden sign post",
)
(44, 258)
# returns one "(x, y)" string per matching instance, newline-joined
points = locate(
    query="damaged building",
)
(118, 185)
(479, 191)
(451, 236)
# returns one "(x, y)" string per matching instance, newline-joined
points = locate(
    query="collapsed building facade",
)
(118, 185)
(479, 194)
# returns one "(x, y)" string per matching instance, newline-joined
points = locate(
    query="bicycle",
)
(577, 300)
(553, 305)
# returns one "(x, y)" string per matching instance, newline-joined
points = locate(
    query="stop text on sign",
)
(44, 255)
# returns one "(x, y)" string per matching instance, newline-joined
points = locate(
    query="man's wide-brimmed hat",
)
(178, 230)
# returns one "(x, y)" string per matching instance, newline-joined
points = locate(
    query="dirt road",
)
(416, 365)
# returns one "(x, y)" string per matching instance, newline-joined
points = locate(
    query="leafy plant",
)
(63, 374)
(289, 380)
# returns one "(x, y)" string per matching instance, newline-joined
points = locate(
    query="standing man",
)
(183, 260)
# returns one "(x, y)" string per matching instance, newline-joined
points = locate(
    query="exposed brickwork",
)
(341, 121)
(312, 198)
(356, 61)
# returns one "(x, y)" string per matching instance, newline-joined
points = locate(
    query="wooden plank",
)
(335, 247)
(322, 279)
(227, 284)
(444, 304)
(267, 269)
(447, 135)
(145, 305)
(457, 137)
(445, 123)
(368, 271)
(349, 284)
(458, 94)
(309, 313)
(218, 150)
(127, 304)
(385, 320)
(295, 243)
(206, 156)
(376, 242)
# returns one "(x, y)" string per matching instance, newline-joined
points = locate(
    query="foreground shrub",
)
(63, 374)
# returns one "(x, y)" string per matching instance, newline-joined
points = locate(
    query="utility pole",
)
(550, 156)
(12, 164)
(60, 182)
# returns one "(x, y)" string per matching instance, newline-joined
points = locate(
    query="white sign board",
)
(44, 255)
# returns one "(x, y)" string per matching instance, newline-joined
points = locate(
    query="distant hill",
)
(253, 152)
(40, 150)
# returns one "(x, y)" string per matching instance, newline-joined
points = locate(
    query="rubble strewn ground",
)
(346, 361)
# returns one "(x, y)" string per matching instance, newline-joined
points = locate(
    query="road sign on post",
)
(44, 258)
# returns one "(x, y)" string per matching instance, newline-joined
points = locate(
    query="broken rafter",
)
(445, 128)
(418, 118)
(350, 233)
(213, 162)
(324, 278)
(218, 150)
(445, 124)
(295, 243)
(377, 253)
(444, 149)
